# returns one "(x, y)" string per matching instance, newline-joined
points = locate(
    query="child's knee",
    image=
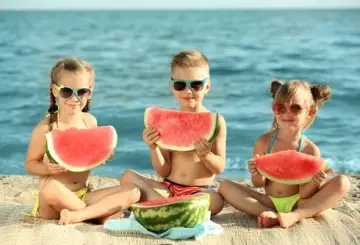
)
(49, 192)
(342, 183)
(129, 176)
(224, 185)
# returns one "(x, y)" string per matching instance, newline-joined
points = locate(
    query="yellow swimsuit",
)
(284, 204)
(81, 194)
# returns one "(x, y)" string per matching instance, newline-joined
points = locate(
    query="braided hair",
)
(71, 65)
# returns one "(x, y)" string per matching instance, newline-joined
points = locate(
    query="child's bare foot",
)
(288, 219)
(68, 217)
(267, 219)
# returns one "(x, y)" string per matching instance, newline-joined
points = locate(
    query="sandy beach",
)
(340, 225)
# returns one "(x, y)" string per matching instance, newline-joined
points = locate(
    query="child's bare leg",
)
(150, 189)
(109, 205)
(95, 196)
(250, 202)
(54, 197)
(216, 202)
(328, 196)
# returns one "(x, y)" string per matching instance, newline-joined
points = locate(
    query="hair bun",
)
(275, 85)
(320, 93)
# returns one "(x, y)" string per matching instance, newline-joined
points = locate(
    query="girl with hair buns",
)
(63, 194)
(295, 106)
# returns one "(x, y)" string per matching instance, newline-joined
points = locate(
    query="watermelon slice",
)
(79, 150)
(180, 130)
(289, 167)
(163, 214)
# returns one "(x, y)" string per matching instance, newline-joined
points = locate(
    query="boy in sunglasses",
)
(295, 106)
(185, 173)
(63, 194)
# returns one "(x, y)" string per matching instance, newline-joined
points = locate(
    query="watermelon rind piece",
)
(297, 181)
(55, 158)
(217, 129)
(210, 137)
(183, 213)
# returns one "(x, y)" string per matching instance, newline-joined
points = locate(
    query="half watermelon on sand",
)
(162, 214)
(289, 167)
(180, 130)
(79, 150)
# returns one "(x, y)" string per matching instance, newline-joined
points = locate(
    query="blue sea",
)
(131, 52)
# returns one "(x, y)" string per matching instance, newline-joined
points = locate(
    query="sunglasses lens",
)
(279, 108)
(66, 93)
(84, 93)
(295, 109)
(179, 86)
(197, 85)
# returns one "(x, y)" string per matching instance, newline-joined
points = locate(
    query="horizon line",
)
(186, 8)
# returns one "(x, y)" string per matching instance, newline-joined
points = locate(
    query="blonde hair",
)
(189, 59)
(284, 91)
(71, 65)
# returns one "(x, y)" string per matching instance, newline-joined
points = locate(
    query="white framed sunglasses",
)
(68, 92)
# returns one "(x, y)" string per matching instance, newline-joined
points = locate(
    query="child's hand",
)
(54, 169)
(252, 167)
(150, 136)
(321, 177)
(202, 147)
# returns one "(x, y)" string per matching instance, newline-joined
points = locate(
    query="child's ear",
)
(312, 112)
(207, 87)
(54, 90)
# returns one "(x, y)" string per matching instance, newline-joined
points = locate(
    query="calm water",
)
(131, 52)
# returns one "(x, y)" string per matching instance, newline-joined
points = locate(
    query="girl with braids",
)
(63, 194)
(295, 105)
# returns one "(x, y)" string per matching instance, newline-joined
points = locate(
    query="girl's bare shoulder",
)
(309, 147)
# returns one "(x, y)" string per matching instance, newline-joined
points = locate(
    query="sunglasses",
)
(280, 108)
(196, 85)
(68, 93)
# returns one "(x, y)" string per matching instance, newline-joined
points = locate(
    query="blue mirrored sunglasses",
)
(196, 85)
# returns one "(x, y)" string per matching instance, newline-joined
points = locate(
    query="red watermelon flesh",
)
(79, 150)
(289, 167)
(180, 130)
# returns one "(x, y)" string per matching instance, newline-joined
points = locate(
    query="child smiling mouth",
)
(288, 120)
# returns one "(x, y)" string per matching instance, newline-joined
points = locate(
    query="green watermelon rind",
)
(184, 213)
(294, 181)
(179, 220)
(217, 129)
(210, 137)
(54, 158)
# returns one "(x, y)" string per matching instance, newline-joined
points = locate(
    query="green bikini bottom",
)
(285, 204)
